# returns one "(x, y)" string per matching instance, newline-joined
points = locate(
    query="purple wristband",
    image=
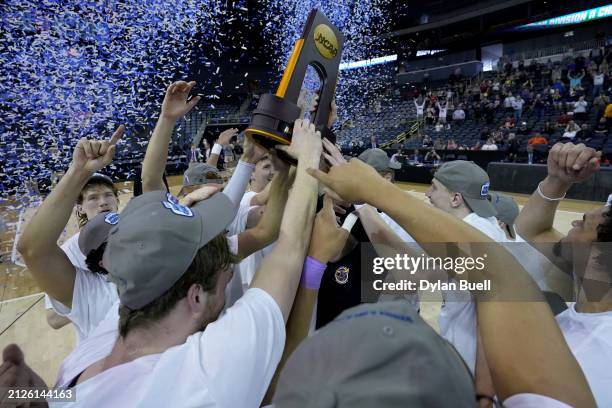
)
(312, 273)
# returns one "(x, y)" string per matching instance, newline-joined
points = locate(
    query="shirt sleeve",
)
(240, 351)
(92, 297)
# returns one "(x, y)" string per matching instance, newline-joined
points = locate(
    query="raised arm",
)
(175, 106)
(567, 164)
(326, 243)
(224, 140)
(279, 274)
(267, 230)
(543, 364)
(46, 261)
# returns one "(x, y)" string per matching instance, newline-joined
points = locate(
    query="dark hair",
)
(82, 217)
(93, 260)
(204, 270)
(604, 230)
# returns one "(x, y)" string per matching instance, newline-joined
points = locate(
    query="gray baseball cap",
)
(378, 159)
(375, 355)
(471, 181)
(95, 232)
(201, 173)
(157, 239)
(507, 210)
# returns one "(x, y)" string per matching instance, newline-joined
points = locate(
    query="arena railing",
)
(557, 50)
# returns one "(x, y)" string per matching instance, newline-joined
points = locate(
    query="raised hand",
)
(14, 373)
(305, 142)
(94, 155)
(226, 136)
(570, 163)
(332, 154)
(352, 181)
(252, 153)
(175, 103)
(201, 194)
(327, 239)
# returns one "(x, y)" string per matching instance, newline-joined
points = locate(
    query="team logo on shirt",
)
(111, 218)
(342, 275)
(484, 190)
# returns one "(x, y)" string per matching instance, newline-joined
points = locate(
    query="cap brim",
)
(484, 208)
(217, 213)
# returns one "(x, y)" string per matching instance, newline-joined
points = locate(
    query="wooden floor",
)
(22, 313)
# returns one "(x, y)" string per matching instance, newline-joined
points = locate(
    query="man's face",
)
(585, 230)
(439, 196)
(263, 173)
(96, 199)
(216, 299)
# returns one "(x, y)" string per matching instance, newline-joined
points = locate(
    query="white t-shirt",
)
(233, 289)
(589, 337)
(239, 222)
(419, 108)
(71, 248)
(598, 79)
(458, 313)
(509, 101)
(580, 106)
(92, 297)
(247, 197)
(517, 104)
(229, 364)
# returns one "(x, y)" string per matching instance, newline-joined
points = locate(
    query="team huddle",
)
(232, 298)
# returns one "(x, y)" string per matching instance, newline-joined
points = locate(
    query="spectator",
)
(538, 106)
(485, 133)
(513, 147)
(600, 103)
(601, 128)
(508, 123)
(477, 146)
(564, 119)
(537, 140)
(427, 142)
(416, 157)
(557, 99)
(442, 111)
(439, 144)
(523, 129)
(598, 81)
(570, 131)
(439, 126)
(580, 109)
(432, 157)
(575, 78)
(585, 133)
(608, 114)
(509, 102)
(529, 154)
(517, 105)
(548, 129)
(419, 104)
(459, 115)
(430, 115)
(451, 145)
(398, 157)
(489, 145)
